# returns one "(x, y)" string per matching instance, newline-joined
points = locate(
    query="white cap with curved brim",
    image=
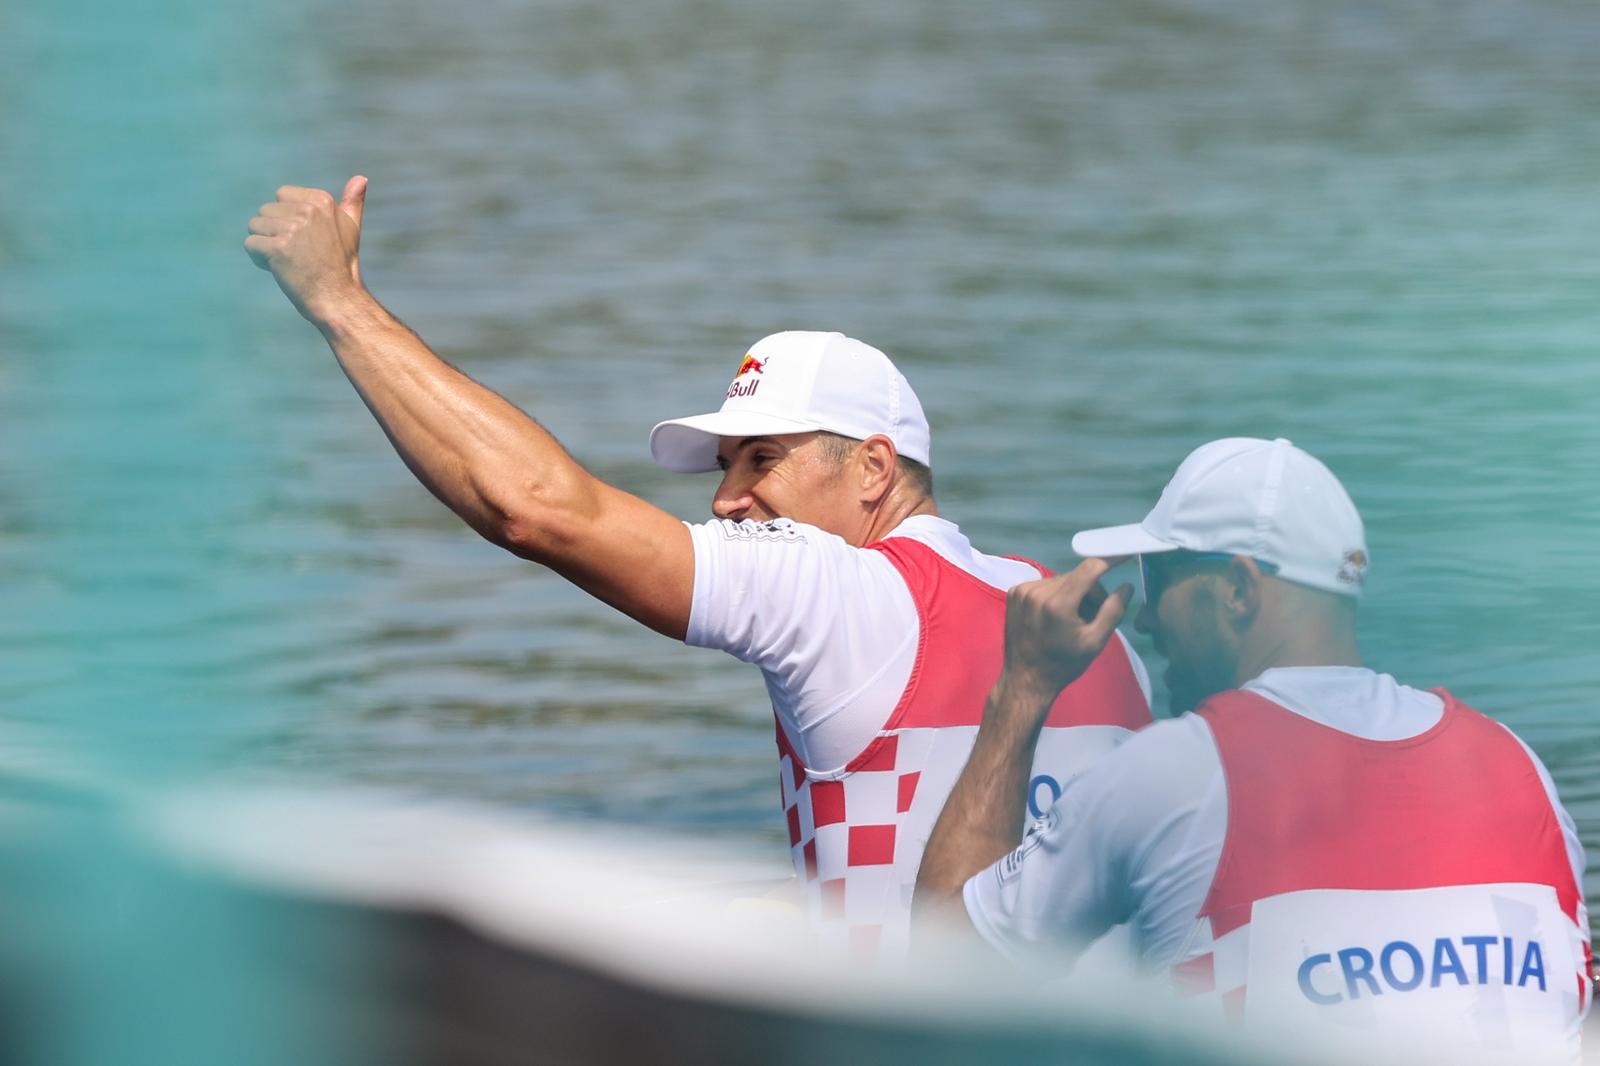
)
(1243, 496)
(797, 382)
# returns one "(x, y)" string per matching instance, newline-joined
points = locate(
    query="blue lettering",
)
(1353, 973)
(1442, 950)
(1386, 960)
(1532, 965)
(1036, 808)
(1305, 980)
(1359, 968)
(1482, 944)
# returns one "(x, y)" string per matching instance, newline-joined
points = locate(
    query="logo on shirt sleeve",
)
(1011, 865)
(776, 529)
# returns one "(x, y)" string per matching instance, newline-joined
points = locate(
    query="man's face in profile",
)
(1182, 613)
(785, 476)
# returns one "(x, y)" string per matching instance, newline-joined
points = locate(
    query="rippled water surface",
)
(1093, 234)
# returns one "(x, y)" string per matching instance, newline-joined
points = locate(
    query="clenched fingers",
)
(1078, 596)
(1082, 593)
(303, 195)
(259, 247)
(1064, 594)
(309, 244)
(1050, 639)
(271, 226)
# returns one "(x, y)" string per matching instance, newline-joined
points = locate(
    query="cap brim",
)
(1119, 541)
(689, 445)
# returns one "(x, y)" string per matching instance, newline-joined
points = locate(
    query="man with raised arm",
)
(1316, 843)
(875, 623)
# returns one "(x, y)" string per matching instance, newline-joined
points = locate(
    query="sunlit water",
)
(1094, 235)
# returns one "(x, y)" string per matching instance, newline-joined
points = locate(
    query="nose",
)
(731, 501)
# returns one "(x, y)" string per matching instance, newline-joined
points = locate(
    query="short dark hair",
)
(836, 448)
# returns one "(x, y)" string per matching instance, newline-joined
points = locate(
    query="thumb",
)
(354, 198)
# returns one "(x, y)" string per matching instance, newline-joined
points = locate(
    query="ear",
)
(1242, 594)
(876, 466)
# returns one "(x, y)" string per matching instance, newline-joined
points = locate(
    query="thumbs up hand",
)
(309, 241)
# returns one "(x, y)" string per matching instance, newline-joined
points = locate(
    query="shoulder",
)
(1165, 767)
(945, 539)
(1166, 742)
(1512, 740)
(782, 546)
(771, 540)
(784, 568)
(1350, 699)
(824, 619)
(775, 531)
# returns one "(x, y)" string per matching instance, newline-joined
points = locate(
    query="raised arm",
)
(1048, 645)
(490, 463)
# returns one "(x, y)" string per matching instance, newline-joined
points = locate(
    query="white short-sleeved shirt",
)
(833, 627)
(1136, 838)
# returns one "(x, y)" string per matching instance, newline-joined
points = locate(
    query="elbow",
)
(938, 889)
(520, 534)
(939, 914)
(536, 520)
(936, 899)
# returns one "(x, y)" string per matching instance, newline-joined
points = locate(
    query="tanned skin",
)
(508, 478)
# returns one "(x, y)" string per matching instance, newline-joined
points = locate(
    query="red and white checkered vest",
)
(1409, 886)
(857, 835)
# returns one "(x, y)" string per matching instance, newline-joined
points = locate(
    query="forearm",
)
(490, 463)
(482, 457)
(982, 819)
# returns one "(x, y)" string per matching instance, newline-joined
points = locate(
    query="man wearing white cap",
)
(1316, 842)
(876, 624)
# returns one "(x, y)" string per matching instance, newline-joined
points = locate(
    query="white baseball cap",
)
(1263, 498)
(796, 382)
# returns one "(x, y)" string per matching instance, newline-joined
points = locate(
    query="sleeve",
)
(1059, 887)
(1123, 834)
(829, 624)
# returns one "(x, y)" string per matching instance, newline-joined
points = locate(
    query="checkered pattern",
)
(857, 835)
(1220, 972)
(848, 836)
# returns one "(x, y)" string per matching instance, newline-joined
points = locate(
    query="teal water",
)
(1094, 235)
(129, 463)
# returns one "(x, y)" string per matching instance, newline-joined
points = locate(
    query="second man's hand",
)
(1048, 645)
(1048, 641)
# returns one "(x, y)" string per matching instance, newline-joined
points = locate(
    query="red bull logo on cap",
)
(751, 365)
